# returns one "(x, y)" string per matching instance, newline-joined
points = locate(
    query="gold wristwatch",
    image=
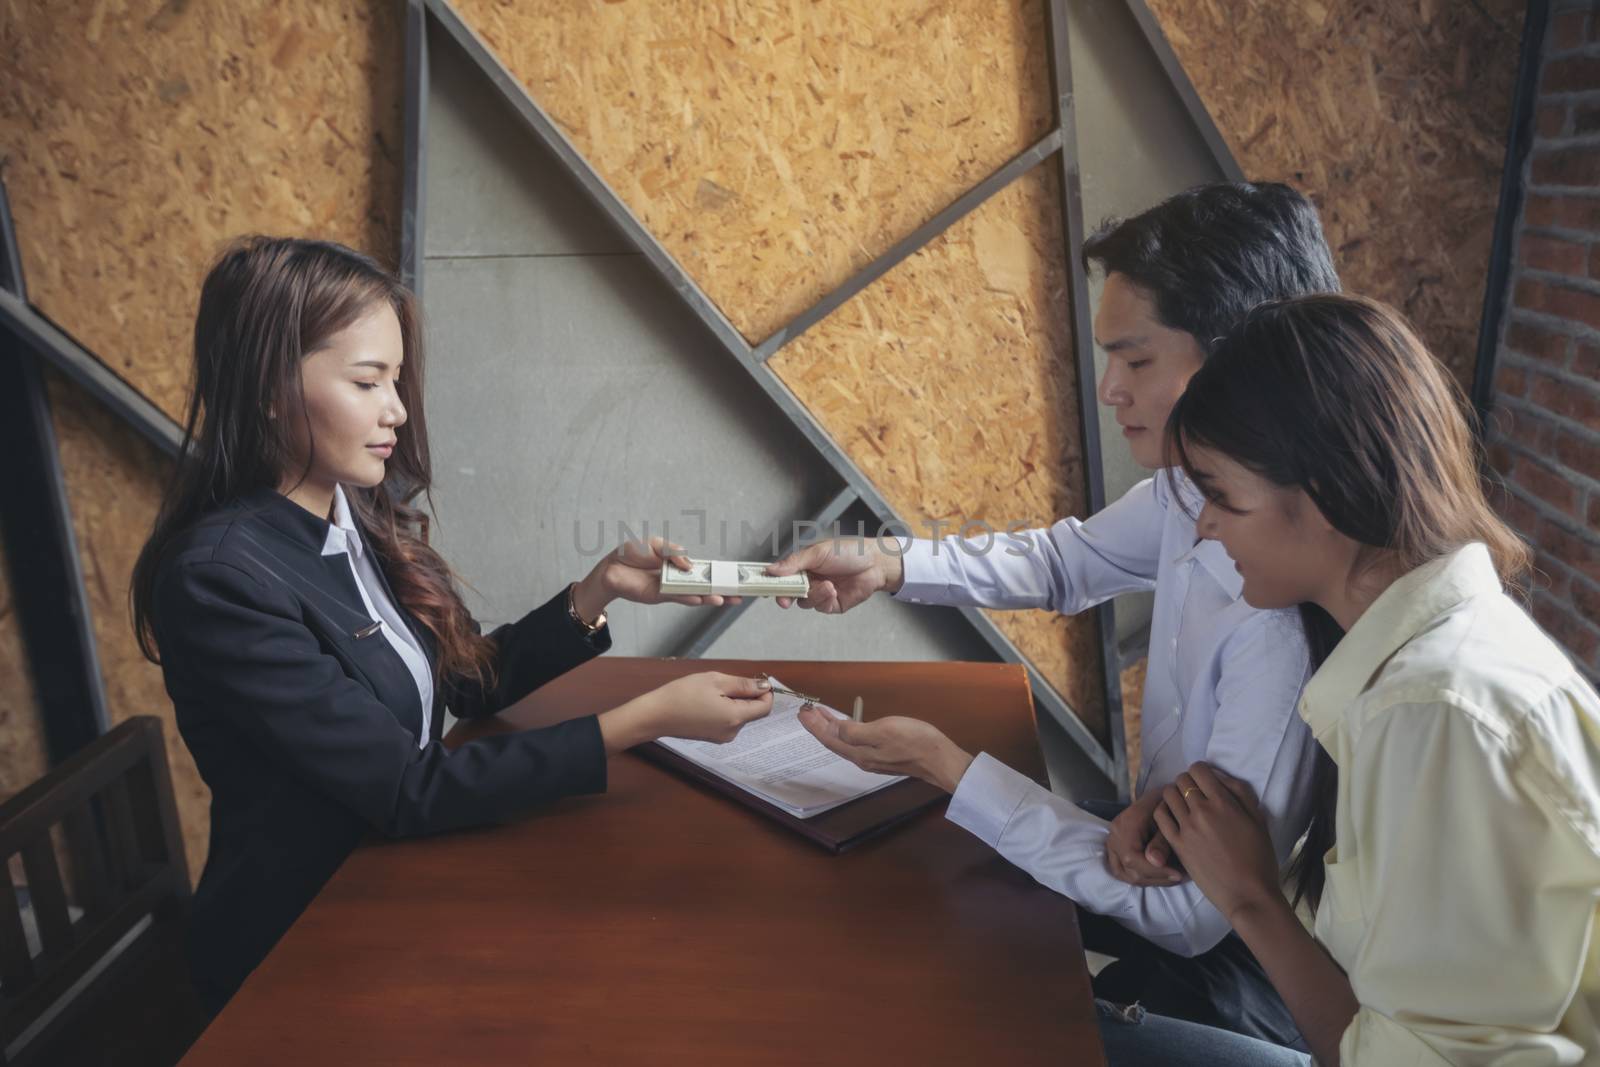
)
(589, 628)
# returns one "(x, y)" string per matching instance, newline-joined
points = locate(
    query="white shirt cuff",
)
(986, 798)
(925, 570)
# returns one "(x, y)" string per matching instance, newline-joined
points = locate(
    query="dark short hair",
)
(1208, 255)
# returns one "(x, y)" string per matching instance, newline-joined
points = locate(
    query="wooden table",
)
(661, 924)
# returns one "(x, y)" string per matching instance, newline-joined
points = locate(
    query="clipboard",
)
(837, 829)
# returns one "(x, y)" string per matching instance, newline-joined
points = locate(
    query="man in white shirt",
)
(1223, 678)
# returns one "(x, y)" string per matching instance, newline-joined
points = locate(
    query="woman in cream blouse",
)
(1456, 921)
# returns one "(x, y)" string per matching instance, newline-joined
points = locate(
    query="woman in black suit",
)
(312, 641)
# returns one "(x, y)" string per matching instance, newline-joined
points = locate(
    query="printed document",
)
(776, 759)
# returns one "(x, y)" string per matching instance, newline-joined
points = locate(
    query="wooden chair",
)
(105, 980)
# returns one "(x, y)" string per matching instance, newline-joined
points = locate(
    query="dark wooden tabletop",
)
(662, 924)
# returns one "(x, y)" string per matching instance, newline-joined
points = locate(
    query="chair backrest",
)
(109, 812)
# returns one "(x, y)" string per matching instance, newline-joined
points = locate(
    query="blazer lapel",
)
(422, 635)
(328, 583)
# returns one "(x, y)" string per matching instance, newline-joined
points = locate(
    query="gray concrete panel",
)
(573, 405)
(492, 190)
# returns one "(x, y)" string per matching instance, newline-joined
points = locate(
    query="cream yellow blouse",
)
(1462, 894)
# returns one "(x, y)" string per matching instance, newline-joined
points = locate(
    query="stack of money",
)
(706, 577)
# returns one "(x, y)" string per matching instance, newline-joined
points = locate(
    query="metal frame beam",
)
(1184, 88)
(47, 340)
(41, 545)
(414, 140)
(908, 245)
(593, 185)
(1060, 53)
(1519, 141)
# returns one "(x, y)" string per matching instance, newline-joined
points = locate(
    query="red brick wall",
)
(1544, 433)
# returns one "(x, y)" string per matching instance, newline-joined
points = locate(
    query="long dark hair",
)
(1336, 396)
(267, 303)
(1306, 871)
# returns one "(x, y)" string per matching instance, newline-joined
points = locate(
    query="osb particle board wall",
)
(23, 757)
(776, 149)
(1391, 116)
(114, 483)
(1133, 679)
(135, 139)
(951, 382)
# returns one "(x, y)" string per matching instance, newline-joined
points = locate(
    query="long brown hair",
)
(267, 303)
(1337, 396)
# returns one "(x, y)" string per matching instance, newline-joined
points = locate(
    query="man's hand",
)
(893, 745)
(843, 572)
(1136, 852)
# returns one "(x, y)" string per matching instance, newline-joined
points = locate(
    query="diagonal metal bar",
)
(10, 252)
(722, 621)
(42, 546)
(414, 138)
(612, 207)
(908, 245)
(46, 339)
(1083, 358)
(1518, 142)
(1187, 94)
(592, 184)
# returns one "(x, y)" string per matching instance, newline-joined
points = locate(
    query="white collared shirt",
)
(343, 537)
(1464, 887)
(1222, 684)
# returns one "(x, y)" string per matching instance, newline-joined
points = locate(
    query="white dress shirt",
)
(343, 537)
(1222, 685)
(1464, 886)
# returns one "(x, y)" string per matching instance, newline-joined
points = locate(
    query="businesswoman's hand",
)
(632, 571)
(1219, 832)
(892, 745)
(701, 707)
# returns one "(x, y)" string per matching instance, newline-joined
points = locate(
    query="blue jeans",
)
(1134, 1038)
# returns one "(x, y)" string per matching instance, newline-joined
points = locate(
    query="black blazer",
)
(308, 734)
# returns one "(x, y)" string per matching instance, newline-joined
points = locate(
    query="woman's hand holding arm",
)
(1217, 829)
